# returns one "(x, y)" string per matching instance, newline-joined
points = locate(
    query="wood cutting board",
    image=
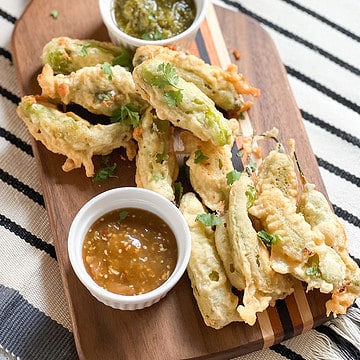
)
(173, 328)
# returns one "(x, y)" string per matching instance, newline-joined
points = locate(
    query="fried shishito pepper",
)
(224, 87)
(318, 213)
(65, 54)
(211, 287)
(263, 286)
(181, 102)
(156, 163)
(95, 89)
(70, 135)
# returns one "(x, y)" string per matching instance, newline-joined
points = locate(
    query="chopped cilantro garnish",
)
(122, 215)
(105, 172)
(251, 195)
(84, 50)
(107, 70)
(199, 156)
(54, 14)
(160, 157)
(167, 77)
(124, 59)
(179, 190)
(127, 114)
(232, 176)
(209, 219)
(268, 239)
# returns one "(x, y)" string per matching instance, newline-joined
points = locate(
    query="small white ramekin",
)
(128, 197)
(180, 42)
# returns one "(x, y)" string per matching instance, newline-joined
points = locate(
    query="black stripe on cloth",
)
(331, 129)
(8, 95)
(7, 16)
(294, 37)
(200, 44)
(324, 20)
(6, 54)
(29, 333)
(22, 145)
(350, 218)
(21, 187)
(286, 352)
(346, 347)
(328, 92)
(27, 236)
(338, 172)
(285, 319)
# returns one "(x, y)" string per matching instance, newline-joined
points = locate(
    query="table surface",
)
(322, 63)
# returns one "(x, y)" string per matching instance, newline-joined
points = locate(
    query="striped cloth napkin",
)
(319, 44)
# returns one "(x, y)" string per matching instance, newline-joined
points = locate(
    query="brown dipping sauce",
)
(130, 251)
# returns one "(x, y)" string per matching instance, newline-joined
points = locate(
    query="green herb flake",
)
(54, 14)
(167, 76)
(161, 157)
(232, 176)
(105, 172)
(239, 154)
(179, 190)
(107, 70)
(84, 50)
(268, 239)
(209, 219)
(124, 59)
(128, 114)
(312, 271)
(122, 216)
(199, 156)
(251, 195)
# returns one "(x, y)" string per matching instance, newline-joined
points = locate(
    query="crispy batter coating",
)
(224, 249)
(224, 87)
(263, 286)
(156, 163)
(318, 213)
(277, 170)
(208, 176)
(91, 87)
(72, 136)
(196, 112)
(65, 54)
(211, 287)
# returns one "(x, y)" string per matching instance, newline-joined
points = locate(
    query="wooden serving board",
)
(173, 328)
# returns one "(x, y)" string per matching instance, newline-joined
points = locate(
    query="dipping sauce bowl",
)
(100, 252)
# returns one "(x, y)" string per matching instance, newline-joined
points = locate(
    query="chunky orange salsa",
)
(130, 251)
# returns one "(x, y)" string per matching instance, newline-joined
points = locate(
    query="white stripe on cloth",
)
(35, 275)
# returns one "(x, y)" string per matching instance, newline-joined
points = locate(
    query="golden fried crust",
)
(317, 212)
(224, 87)
(211, 288)
(262, 285)
(156, 163)
(208, 177)
(72, 136)
(91, 88)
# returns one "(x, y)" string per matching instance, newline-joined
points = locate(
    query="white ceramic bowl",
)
(181, 41)
(130, 197)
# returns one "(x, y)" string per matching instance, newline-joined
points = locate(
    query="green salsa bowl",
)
(134, 23)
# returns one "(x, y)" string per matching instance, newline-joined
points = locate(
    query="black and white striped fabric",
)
(319, 44)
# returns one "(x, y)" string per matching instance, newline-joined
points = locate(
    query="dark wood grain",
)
(173, 328)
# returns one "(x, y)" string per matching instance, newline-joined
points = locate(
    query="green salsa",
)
(154, 19)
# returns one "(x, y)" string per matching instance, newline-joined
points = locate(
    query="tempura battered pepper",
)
(156, 163)
(277, 170)
(320, 216)
(211, 288)
(65, 54)
(263, 286)
(91, 87)
(224, 87)
(72, 136)
(183, 104)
